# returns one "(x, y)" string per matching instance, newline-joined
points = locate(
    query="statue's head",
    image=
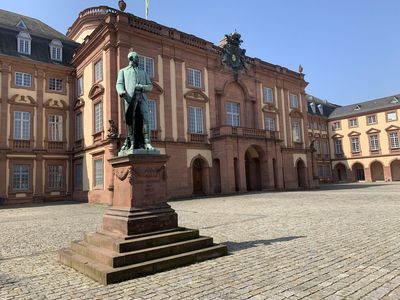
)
(133, 58)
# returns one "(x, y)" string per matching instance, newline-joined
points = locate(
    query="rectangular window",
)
(22, 125)
(78, 127)
(267, 95)
(78, 176)
(391, 116)
(232, 114)
(371, 119)
(55, 128)
(195, 119)
(55, 53)
(98, 71)
(24, 46)
(98, 117)
(394, 140)
(294, 101)
(23, 79)
(194, 78)
(317, 147)
(353, 123)
(55, 180)
(269, 123)
(338, 147)
(355, 145)
(98, 172)
(374, 142)
(55, 84)
(325, 147)
(336, 125)
(324, 127)
(79, 86)
(152, 114)
(21, 177)
(296, 132)
(147, 64)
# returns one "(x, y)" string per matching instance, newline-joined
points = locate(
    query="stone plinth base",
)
(140, 233)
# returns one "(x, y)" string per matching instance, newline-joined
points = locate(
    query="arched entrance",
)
(253, 169)
(377, 171)
(358, 172)
(395, 170)
(340, 173)
(199, 176)
(301, 172)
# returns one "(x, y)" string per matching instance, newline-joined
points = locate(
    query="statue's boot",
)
(146, 138)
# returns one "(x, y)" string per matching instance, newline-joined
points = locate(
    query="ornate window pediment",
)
(392, 127)
(295, 113)
(337, 136)
(372, 131)
(196, 95)
(57, 104)
(21, 99)
(96, 91)
(157, 89)
(79, 103)
(354, 133)
(270, 108)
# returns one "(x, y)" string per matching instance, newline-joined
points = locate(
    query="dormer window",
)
(21, 25)
(394, 100)
(24, 43)
(321, 109)
(358, 107)
(56, 50)
(312, 105)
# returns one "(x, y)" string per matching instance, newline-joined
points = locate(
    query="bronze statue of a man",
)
(132, 84)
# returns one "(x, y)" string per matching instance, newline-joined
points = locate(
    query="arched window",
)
(56, 50)
(24, 43)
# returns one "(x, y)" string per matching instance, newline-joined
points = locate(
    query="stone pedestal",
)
(140, 233)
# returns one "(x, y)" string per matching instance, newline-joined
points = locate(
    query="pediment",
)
(392, 127)
(373, 130)
(79, 103)
(337, 136)
(96, 91)
(317, 135)
(354, 133)
(57, 104)
(21, 99)
(196, 95)
(324, 136)
(295, 113)
(269, 108)
(157, 89)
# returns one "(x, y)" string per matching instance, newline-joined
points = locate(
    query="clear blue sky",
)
(349, 48)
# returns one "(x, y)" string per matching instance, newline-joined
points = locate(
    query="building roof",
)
(41, 35)
(366, 107)
(319, 107)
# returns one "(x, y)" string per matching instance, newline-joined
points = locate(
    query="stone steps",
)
(125, 259)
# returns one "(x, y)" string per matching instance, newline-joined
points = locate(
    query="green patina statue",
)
(132, 84)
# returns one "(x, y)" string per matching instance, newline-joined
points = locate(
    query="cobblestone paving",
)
(339, 242)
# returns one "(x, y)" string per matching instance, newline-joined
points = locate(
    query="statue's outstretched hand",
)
(139, 88)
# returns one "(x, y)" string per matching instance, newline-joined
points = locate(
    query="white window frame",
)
(338, 146)
(268, 95)
(147, 65)
(79, 86)
(294, 101)
(55, 84)
(374, 142)
(269, 123)
(355, 144)
(24, 42)
(55, 128)
(98, 117)
(194, 78)
(353, 122)
(79, 126)
(98, 70)
(21, 174)
(195, 117)
(296, 132)
(55, 177)
(393, 116)
(98, 172)
(22, 125)
(152, 107)
(23, 79)
(56, 50)
(233, 114)
(394, 140)
(371, 119)
(336, 125)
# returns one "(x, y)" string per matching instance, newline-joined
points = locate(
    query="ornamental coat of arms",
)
(232, 55)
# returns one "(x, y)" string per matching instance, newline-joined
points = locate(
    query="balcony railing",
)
(197, 138)
(245, 132)
(21, 144)
(55, 145)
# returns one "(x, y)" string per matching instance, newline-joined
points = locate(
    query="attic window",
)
(21, 25)
(358, 107)
(394, 100)
(312, 105)
(321, 109)
(24, 42)
(56, 50)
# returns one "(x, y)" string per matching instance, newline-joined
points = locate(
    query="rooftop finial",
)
(300, 69)
(122, 5)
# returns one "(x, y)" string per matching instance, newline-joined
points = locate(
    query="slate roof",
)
(327, 107)
(41, 35)
(367, 106)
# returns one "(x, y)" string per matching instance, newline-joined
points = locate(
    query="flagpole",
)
(147, 9)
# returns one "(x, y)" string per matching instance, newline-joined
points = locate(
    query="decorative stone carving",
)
(232, 55)
(112, 130)
(21, 99)
(196, 95)
(96, 91)
(79, 103)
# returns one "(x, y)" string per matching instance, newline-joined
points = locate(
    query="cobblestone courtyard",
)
(342, 241)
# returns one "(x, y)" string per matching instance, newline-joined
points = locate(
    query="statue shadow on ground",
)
(238, 246)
